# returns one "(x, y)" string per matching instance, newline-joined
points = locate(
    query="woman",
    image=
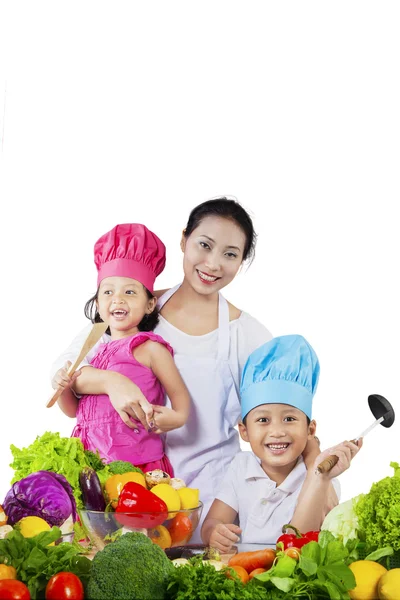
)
(211, 339)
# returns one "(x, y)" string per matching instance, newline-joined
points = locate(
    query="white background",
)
(128, 111)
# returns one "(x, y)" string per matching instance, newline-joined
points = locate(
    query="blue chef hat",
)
(282, 371)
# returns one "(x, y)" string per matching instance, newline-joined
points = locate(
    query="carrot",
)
(240, 572)
(259, 559)
(256, 572)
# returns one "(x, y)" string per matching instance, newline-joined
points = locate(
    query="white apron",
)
(201, 450)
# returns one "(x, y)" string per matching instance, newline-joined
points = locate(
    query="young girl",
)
(128, 259)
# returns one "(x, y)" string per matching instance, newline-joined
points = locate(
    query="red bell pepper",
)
(147, 510)
(296, 540)
(312, 536)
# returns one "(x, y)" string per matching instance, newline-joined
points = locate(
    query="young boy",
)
(270, 486)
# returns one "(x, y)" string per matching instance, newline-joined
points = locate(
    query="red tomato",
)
(180, 529)
(64, 586)
(11, 589)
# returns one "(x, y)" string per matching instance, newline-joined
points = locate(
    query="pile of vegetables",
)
(65, 456)
(373, 518)
(36, 559)
(320, 570)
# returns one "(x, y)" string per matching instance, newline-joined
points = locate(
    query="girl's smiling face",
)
(278, 434)
(122, 303)
(213, 253)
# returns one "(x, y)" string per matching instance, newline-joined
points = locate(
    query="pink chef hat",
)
(130, 250)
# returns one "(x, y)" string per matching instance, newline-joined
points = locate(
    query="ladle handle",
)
(329, 462)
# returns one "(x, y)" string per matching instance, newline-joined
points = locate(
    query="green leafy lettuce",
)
(378, 512)
(51, 452)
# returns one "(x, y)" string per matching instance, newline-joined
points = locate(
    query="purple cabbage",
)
(42, 494)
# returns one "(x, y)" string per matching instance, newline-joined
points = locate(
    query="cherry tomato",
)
(64, 586)
(11, 589)
(180, 529)
(240, 572)
(293, 552)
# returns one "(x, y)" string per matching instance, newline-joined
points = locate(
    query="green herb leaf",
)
(308, 566)
(339, 574)
(312, 551)
(324, 538)
(335, 552)
(284, 567)
(284, 584)
(377, 554)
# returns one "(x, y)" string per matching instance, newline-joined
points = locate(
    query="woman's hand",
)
(166, 419)
(129, 401)
(224, 536)
(345, 452)
(62, 380)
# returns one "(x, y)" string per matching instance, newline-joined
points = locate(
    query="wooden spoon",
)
(95, 334)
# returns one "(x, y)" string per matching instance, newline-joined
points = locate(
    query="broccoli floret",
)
(118, 467)
(130, 568)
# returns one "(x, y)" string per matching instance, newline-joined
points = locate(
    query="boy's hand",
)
(223, 536)
(311, 451)
(62, 380)
(345, 452)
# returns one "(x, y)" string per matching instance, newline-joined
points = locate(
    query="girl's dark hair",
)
(228, 209)
(148, 323)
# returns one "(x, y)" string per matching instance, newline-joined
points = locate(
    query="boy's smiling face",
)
(278, 434)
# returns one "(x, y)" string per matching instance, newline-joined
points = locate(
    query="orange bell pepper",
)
(115, 483)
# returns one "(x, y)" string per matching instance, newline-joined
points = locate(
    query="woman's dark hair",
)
(148, 323)
(228, 209)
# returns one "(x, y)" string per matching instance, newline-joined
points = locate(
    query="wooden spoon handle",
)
(329, 462)
(95, 334)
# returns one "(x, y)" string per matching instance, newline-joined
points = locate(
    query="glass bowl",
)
(65, 537)
(177, 529)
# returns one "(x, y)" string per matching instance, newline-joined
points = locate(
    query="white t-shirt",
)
(263, 508)
(246, 334)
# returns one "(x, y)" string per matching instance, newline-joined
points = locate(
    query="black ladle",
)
(384, 415)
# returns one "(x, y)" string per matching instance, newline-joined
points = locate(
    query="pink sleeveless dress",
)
(100, 427)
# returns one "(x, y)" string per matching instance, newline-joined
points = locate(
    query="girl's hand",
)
(62, 380)
(224, 536)
(345, 452)
(129, 401)
(311, 451)
(166, 419)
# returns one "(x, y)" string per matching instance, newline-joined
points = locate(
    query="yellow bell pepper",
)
(115, 483)
(7, 572)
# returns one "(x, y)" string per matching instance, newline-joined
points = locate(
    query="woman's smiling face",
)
(213, 253)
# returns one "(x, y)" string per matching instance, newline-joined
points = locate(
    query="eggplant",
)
(187, 551)
(92, 493)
